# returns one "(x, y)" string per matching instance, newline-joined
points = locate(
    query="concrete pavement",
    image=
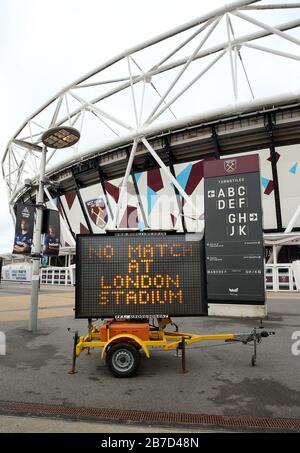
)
(220, 379)
(53, 301)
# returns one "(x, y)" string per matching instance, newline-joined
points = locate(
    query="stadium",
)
(149, 117)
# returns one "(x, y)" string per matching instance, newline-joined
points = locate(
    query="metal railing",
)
(55, 276)
(280, 277)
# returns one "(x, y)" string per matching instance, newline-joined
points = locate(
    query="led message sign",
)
(139, 275)
(233, 231)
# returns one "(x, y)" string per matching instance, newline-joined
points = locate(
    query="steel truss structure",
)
(137, 102)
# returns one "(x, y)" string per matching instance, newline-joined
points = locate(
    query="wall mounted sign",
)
(233, 231)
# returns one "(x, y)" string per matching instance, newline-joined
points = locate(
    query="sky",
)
(46, 44)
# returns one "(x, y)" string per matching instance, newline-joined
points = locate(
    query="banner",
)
(233, 231)
(51, 232)
(24, 229)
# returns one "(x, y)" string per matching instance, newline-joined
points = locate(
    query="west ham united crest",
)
(97, 211)
(230, 165)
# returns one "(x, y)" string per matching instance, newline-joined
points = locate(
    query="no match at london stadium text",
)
(139, 275)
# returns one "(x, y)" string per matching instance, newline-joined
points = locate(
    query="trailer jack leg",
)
(254, 356)
(90, 328)
(183, 358)
(73, 370)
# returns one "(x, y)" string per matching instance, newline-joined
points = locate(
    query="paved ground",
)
(54, 301)
(220, 379)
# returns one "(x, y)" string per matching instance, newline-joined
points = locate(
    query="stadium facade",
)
(140, 115)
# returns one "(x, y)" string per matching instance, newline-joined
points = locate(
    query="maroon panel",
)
(70, 197)
(113, 190)
(269, 189)
(277, 157)
(154, 180)
(196, 174)
(195, 177)
(130, 218)
(231, 166)
(83, 229)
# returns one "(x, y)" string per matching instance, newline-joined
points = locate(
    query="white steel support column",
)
(172, 178)
(236, 70)
(270, 6)
(288, 229)
(63, 222)
(194, 80)
(293, 220)
(179, 47)
(124, 185)
(274, 254)
(132, 91)
(232, 66)
(142, 104)
(91, 106)
(266, 27)
(186, 65)
(272, 51)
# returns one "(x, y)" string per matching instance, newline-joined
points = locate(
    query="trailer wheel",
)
(123, 360)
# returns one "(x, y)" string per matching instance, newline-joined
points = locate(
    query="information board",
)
(233, 231)
(139, 275)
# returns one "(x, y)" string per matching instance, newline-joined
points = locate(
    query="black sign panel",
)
(233, 231)
(139, 275)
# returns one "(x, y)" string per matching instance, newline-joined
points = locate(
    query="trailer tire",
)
(123, 360)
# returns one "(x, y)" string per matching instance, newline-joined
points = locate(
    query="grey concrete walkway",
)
(220, 379)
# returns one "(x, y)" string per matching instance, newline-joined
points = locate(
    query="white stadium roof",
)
(214, 67)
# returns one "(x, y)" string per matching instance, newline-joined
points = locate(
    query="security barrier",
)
(280, 277)
(55, 276)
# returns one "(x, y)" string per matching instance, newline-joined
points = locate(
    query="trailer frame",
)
(120, 349)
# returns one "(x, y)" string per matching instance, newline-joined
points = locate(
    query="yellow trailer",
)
(121, 342)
